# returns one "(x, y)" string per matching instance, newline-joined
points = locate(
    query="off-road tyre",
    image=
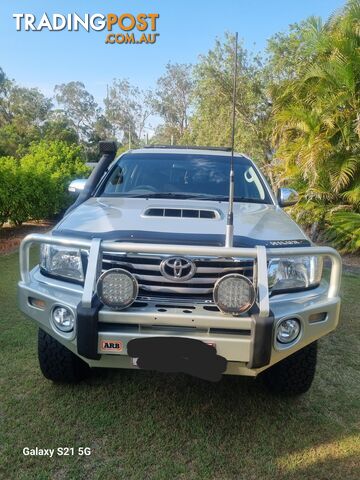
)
(57, 363)
(293, 375)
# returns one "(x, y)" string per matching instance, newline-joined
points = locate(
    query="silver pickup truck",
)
(137, 274)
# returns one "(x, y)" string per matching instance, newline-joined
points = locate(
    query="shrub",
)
(36, 186)
(9, 183)
(311, 216)
(344, 231)
(336, 224)
(48, 168)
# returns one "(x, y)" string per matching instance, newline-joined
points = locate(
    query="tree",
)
(102, 129)
(166, 134)
(211, 122)
(22, 114)
(316, 116)
(59, 127)
(172, 98)
(79, 107)
(2, 77)
(127, 109)
(6, 86)
(288, 53)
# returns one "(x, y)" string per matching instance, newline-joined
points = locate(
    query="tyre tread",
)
(57, 363)
(293, 375)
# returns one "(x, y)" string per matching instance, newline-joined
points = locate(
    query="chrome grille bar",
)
(177, 289)
(156, 267)
(146, 269)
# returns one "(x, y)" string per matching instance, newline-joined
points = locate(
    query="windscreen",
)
(184, 176)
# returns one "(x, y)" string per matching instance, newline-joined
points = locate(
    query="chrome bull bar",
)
(97, 246)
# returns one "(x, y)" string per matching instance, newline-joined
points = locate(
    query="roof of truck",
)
(180, 149)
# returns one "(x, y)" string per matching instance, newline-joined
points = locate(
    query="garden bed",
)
(11, 236)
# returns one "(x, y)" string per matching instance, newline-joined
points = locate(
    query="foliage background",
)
(298, 116)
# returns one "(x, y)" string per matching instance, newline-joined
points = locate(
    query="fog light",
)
(288, 330)
(63, 319)
(117, 288)
(234, 294)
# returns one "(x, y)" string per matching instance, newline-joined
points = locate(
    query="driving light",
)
(288, 330)
(117, 288)
(234, 294)
(63, 319)
(293, 273)
(62, 261)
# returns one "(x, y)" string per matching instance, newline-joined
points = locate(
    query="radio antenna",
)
(229, 237)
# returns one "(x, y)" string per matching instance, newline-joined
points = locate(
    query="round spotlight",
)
(288, 330)
(117, 288)
(63, 319)
(234, 293)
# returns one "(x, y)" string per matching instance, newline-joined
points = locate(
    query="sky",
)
(187, 28)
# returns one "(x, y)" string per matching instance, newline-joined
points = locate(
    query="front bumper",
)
(247, 342)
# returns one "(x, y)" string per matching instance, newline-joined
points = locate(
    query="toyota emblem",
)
(177, 269)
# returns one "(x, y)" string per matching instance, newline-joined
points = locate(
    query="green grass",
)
(141, 425)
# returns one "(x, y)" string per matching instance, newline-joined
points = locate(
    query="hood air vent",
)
(182, 212)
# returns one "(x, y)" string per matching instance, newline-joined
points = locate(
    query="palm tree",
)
(317, 116)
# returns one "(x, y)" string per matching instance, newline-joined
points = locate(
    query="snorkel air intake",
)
(108, 149)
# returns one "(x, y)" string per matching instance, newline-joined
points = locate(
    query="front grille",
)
(146, 269)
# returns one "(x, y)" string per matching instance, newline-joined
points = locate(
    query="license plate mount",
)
(177, 354)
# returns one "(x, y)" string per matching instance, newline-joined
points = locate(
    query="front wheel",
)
(57, 363)
(293, 375)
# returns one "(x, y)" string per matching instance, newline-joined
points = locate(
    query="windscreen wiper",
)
(197, 196)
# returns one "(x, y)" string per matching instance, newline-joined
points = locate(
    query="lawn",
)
(141, 425)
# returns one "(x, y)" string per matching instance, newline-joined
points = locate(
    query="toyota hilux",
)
(138, 273)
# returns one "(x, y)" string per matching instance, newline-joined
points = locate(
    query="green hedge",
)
(35, 187)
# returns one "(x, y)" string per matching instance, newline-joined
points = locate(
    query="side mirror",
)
(287, 197)
(77, 186)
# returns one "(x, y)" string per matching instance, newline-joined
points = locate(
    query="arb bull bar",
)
(261, 323)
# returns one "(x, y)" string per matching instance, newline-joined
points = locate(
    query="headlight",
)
(62, 261)
(292, 273)
(234, 293)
